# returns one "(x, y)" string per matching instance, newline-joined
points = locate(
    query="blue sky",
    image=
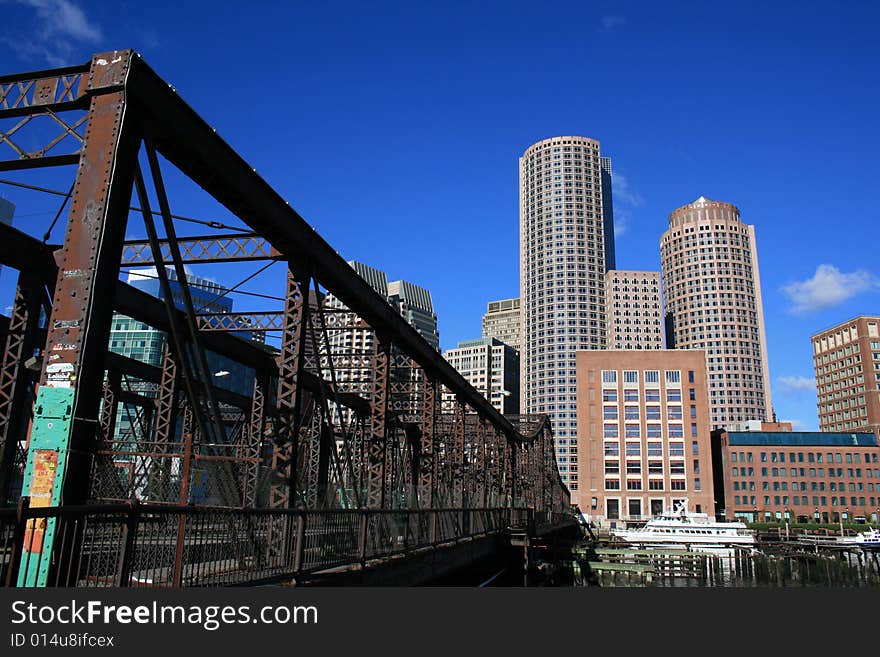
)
(395, 128)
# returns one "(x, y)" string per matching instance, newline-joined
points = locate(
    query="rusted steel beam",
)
(25, 253)
(21, 339)
(240, 247)
(167, 399)
(69, 397)
(428, 448)
(232, 322)
(289, 399)
(378, 433)
(58, 90)
(109, 407)
(253, 439)
(458, 456)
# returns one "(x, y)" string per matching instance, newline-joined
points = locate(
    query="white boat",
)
(683, 528)
(868, 539)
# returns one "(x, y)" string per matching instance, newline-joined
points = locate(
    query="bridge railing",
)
(164, 546)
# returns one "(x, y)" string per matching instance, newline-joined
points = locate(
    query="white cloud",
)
(609, 22)
(827, 288)
(62, 26)
(624, 199)
(800, 425)
(794, 384)
(621, 191)
(621, 223)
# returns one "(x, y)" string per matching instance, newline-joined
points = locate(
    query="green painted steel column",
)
(66, 422)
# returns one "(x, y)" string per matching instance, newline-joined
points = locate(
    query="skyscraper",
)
(355, 344)
(503, 321)
(566, 229)
(491, 367)
(712, 301)
(634, 313)
(414, 303)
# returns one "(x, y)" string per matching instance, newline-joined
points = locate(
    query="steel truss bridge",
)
(340, 454)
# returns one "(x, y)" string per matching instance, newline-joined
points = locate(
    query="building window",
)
(673, 376)
(630, 376)
(609, 376)
(612, 509)
(609, 395)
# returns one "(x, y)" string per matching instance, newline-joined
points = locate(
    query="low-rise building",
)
(800, 475)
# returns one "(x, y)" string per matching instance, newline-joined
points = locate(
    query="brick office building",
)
(806, 475)
(847, 362)
(644, 421)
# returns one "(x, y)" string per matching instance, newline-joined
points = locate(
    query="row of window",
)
(802, 486)
(651, 413)
(650, 376)
(652, 431)
(814, 472)
(612, 449)
(651, 395)
(803, 500)
(653, 484)
(812, 457)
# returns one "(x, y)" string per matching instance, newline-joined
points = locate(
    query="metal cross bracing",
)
(344, 412)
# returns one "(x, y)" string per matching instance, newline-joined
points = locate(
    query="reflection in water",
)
(610, 564)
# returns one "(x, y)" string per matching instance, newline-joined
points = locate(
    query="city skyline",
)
(775, 140)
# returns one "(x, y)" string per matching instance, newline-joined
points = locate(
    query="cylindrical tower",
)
(712, 301)
(566, 240)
